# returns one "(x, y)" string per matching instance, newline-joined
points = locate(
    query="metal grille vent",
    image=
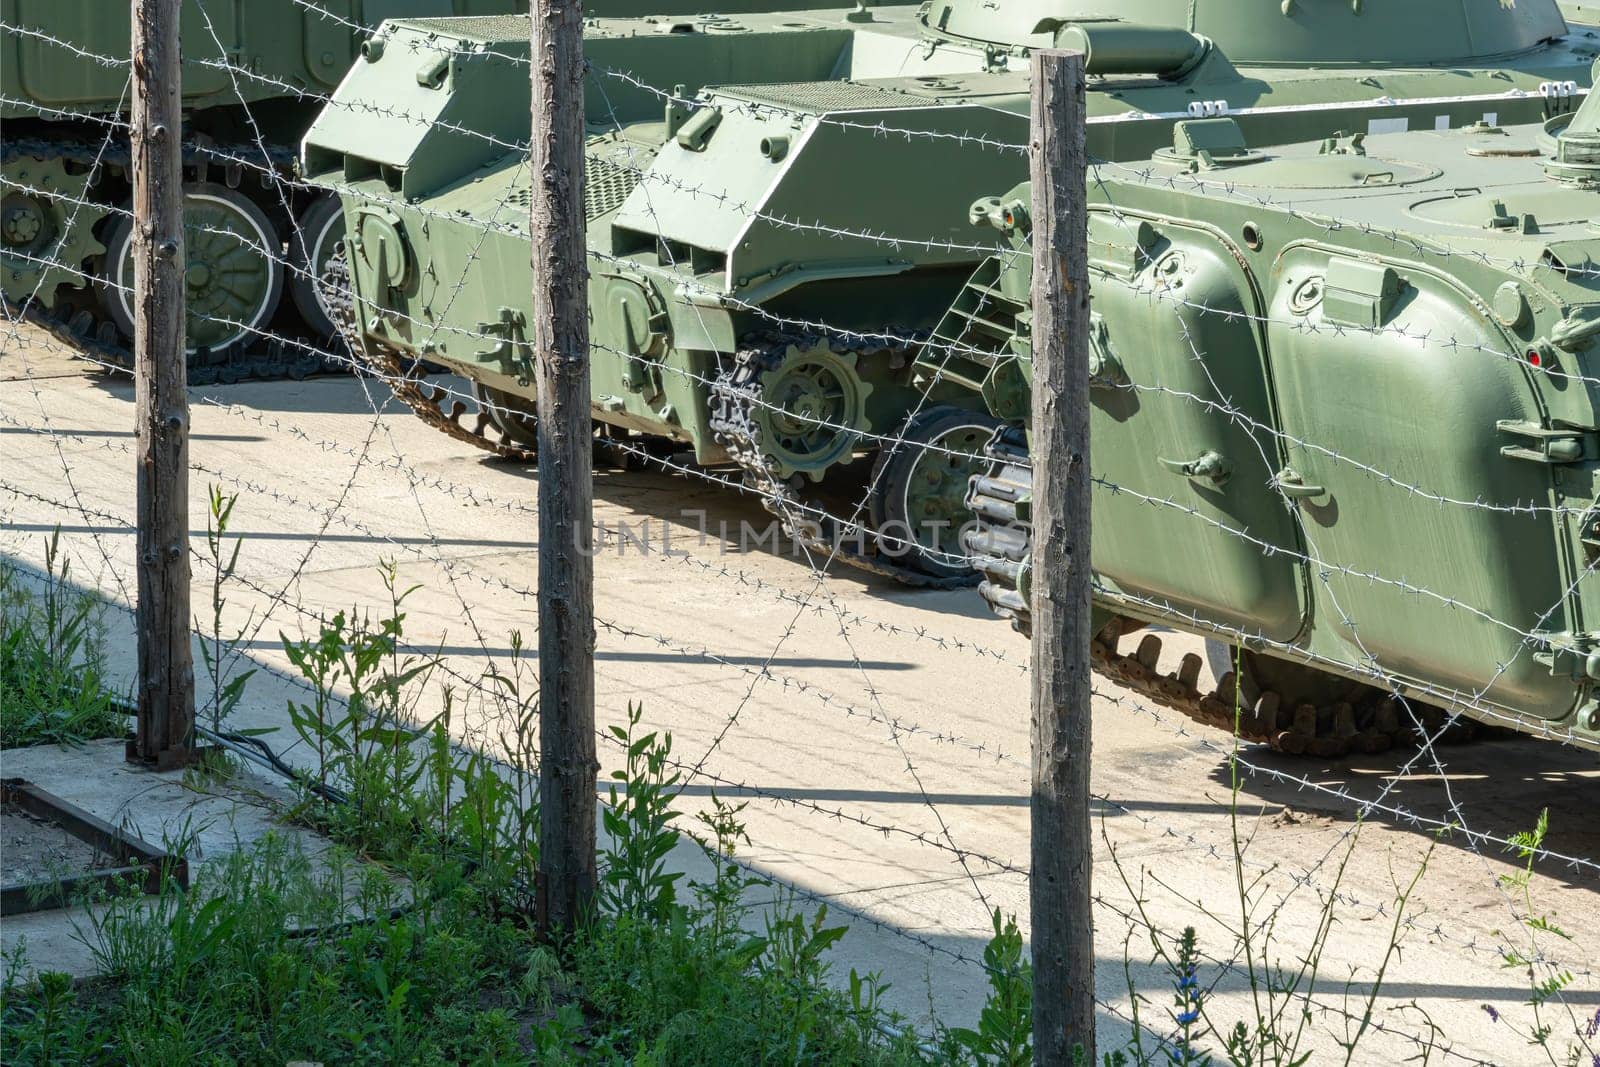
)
(496, 29)
(605, 186)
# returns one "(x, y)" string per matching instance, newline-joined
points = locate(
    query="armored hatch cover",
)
(1434, 188)
(1216, 148)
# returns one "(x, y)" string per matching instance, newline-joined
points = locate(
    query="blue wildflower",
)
(1187, 1018)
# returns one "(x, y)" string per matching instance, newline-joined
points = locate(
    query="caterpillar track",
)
(736, 396)
(1372, 721)
(86, 330)
(1372, 724)
(73, 310)
(435, 405)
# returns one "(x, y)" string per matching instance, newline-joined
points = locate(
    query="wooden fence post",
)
(165, 732)
(1062, 932)
(568, 764)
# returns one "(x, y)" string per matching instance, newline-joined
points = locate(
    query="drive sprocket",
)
(811, 408)
(738, 399)
(47, 228)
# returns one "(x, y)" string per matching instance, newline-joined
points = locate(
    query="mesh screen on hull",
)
(605, 186)
(490, 28)
(825, 96)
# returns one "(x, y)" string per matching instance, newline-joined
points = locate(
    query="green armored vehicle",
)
(254, 75)
(255, 244)
(1344, 420)
(774, 206)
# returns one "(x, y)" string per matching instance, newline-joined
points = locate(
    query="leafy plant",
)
(364, 740)
(1188, 1000)
(515, 699)
(673, 981)
(1547, 981)
(794, 961)
(721, 900)
(53, 685)
(638, 822)
(220, 654)
(1004, 1035)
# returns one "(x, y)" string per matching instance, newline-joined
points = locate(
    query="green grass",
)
(217, 975)
(271, 958)
(413, 942)
(53, 686)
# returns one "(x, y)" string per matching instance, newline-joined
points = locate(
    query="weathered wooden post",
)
(165, 733)
(1063, 849)
(568, 764)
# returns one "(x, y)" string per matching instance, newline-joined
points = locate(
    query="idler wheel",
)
(811, 409)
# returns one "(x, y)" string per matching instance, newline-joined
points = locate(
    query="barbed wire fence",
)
(921, 740)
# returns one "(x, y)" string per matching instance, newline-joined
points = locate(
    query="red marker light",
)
(1533, 358)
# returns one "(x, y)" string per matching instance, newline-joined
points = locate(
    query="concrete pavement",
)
(879, 735)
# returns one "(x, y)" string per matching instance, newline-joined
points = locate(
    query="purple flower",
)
(1594, 1025)
(1494, 1016)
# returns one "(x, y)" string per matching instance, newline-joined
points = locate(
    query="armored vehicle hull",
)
(1344, 423)
(765, 256)
(256, 238)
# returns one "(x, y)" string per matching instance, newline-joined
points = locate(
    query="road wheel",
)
(919, 488)
(318, 231)
(233, 270)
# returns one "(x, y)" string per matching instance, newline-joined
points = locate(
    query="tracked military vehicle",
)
(255, 245)
(253, 75)
(1344, 423)
(766, 247)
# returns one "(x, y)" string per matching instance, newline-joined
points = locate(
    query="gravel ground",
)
(35, 850)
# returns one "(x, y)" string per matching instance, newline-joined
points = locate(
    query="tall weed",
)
(53, 683)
